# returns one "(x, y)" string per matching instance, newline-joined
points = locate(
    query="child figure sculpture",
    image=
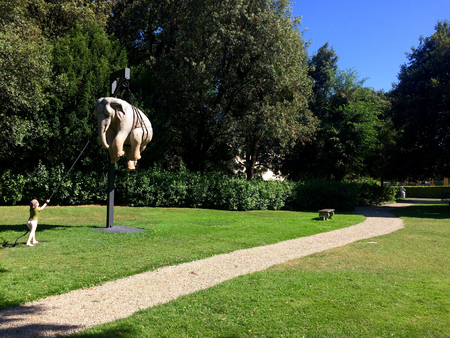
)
(33, 221)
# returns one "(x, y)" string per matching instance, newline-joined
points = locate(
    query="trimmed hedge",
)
(315, 195)
(193, 190)
(374, 194)
(158, 188)
(344, 196)
(78, 188)
(426, 192)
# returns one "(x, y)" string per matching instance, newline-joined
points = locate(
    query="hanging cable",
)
(69, 170)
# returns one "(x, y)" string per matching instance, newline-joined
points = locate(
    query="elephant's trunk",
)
(103, 126)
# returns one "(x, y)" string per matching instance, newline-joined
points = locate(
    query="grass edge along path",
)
(103, 303)
(74, 256)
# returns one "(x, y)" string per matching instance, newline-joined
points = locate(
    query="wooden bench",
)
(325, 214)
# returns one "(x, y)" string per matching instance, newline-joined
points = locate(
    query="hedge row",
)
(193, 190)
(344, 196)
(157, 188)
(426, 192)
(76, 189)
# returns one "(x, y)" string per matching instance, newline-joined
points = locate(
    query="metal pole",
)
(110, 207)
(116, 81)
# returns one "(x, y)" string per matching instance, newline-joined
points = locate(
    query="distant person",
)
(33, 221)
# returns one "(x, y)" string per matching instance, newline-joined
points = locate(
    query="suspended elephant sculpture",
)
(123, 129)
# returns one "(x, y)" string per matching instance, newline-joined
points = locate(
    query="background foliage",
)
(155, 187)
(230, 90)
(421, 107)
(428, 192)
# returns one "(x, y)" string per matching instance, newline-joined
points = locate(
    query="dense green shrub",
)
(193, 190)
(78, 188)
(426, 192)
(314, 195)
(150, 188)
(240, 194)
(159, 188)
(11, 187)
(374, 194)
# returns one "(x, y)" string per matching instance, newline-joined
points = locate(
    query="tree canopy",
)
(25, 59)
(238, 69)
(349, 116)
(421, 108)
(51, 76)
(228, 85)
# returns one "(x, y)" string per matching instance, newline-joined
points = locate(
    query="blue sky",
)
(371, 36)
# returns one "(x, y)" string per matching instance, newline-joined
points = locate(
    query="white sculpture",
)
(123, 129)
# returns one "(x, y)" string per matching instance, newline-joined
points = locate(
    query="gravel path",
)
(61, 315)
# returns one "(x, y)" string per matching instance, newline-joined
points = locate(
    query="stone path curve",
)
(62, 315)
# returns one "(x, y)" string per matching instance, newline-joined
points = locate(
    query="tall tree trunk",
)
(250, 159)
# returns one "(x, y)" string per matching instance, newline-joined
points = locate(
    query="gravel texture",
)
(61, 315)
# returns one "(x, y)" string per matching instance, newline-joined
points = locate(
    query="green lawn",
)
(396, 287)
(74, 255)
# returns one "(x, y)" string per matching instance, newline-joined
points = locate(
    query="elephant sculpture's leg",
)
(131, 165)
(135, 141)
(110, 135)
(116, 149)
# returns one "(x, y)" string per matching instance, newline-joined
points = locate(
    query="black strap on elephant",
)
(137, 118)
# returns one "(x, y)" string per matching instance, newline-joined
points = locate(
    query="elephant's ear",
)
(120, 114)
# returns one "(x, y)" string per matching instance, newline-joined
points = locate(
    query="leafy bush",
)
(344, 196)
(374, 194)
(77, 188)
(193, 190)
(11, 187)
(240, 194)
(426, 192)
(150, 188)
(159, 188)
(314, 195)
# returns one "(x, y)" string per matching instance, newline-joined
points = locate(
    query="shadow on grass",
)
(371, 211)
(116, 331)
(24, 328)
(21, 230)
(318, 219)
(23, 227)
(437, 211)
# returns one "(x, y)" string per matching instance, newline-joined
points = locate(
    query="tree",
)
(421, 108)
(82, 63)
(50, 79)
(25, 75)
(347, 135)
(323, 67)
(56, 17)
(221, 70)
(380, 160)
(276, 113)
